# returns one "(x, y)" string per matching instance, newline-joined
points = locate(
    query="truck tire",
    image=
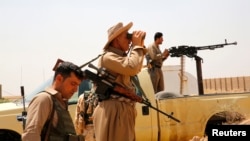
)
(9, 135)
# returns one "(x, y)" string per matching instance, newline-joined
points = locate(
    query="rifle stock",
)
(127, 93)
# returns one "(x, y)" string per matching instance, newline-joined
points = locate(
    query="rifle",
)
(105, 87)
(191, 51)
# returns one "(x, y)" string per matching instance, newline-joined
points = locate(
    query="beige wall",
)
(227, 85)
(0, 91)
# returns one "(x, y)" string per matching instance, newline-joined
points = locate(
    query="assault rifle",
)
(191, 51)
(105, 87)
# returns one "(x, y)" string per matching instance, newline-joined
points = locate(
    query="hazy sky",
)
(35, 33)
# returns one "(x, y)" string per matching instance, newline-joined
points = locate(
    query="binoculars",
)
(129, 36)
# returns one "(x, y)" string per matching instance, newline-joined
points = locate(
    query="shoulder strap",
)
(49, 120)
(138, 86)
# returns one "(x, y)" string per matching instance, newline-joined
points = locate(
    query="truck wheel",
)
(9, 135)
(223, 118)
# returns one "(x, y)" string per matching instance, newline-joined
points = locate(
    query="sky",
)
(34, 34)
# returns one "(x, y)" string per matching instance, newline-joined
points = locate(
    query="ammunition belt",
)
(122, 99)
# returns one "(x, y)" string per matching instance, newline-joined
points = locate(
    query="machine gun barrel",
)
(212, 47)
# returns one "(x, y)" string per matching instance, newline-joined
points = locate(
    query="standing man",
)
(84, 112)
(114, 117)
(156, 58)
(47, 116)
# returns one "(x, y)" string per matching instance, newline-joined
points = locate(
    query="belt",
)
(157, 66)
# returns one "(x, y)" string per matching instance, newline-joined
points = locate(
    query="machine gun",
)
(105, 87)
(191, 51)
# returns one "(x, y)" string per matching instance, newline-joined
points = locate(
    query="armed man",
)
(116, 83)
(155, 59)
(114, 117)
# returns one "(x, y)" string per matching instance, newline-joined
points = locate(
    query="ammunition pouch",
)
(71, 137)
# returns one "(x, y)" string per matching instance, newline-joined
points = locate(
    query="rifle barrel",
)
(170, 116)
(149, 105)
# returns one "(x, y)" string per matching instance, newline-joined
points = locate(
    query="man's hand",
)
(138, 38)
(165, 53)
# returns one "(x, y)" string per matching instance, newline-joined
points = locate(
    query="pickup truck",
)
(194, 112)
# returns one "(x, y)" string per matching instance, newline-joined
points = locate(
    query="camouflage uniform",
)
(83, 119)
